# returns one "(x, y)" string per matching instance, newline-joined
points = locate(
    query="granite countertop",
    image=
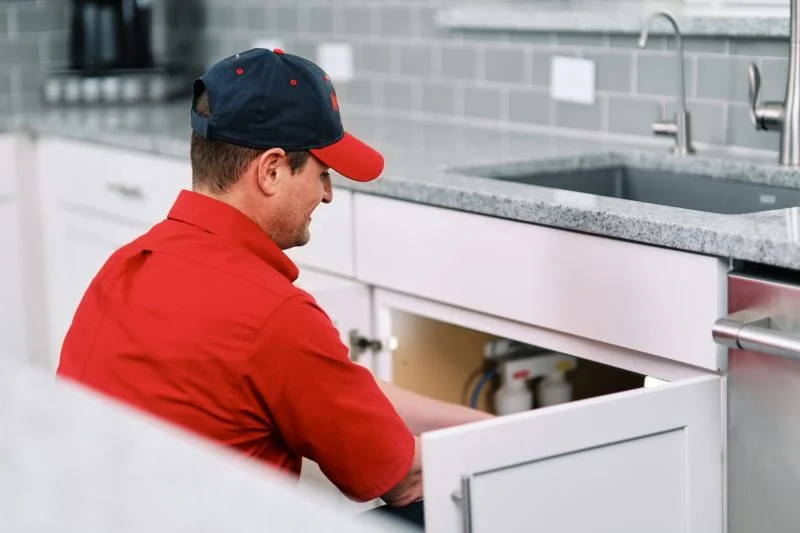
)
(421, 158)
(619, 16)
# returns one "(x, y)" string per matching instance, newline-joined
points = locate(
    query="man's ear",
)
(268, 165)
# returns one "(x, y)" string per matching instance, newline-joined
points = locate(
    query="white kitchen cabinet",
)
(647, 459)
(616, 292)
(8, 165)
(12, 304)
(12, 310)
(95, 199)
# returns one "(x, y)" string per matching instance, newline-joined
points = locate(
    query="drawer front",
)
(8, 168)
(648, 299)
(123, 183)
(331, 246)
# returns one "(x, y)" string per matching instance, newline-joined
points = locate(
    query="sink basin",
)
(663, 187)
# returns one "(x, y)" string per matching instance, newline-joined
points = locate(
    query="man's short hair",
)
(217, 165)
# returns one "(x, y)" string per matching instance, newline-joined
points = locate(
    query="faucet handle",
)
(765, 115)
(755, 88)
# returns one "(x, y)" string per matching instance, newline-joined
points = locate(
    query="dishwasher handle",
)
(756, 335)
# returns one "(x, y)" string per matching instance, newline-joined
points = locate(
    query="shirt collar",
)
(228, 222)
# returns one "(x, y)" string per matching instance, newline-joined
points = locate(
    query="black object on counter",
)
(412, 515)
(110, 35)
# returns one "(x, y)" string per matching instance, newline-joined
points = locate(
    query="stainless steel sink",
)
(668, 188)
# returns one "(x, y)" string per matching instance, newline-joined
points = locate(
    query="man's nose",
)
(327, 196)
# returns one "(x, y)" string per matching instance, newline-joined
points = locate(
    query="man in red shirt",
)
(198, 320)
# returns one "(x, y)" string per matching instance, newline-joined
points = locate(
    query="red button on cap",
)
(278, 51)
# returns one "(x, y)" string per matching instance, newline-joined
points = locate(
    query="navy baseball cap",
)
(266, 99)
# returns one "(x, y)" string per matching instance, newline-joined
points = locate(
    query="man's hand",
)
(409, 490)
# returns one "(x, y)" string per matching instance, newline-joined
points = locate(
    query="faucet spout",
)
(782, 116)
(681, 127)
(648, 25)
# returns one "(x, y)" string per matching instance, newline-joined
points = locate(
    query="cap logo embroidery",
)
(334, 101)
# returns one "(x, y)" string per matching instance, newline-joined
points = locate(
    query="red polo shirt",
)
(198, 322)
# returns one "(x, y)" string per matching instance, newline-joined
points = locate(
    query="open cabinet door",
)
(644, 460)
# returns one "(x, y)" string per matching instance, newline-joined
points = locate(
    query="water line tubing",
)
(487, 376)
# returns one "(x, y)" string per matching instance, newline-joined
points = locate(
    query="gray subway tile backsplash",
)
(288, 18)
(659, 74)
(722, 78)
(582, 40)
(373, 57)
(405, 61)
(320, 21)
(398, 94)
(358, 19)
(396, 21)
(416, 60)
(360, 91)
(613, 70)
(707, 120)
(540, 75)
(439, 98)
(580, 116)
(706, 45)
(505, 64)
(540, 39)
(774, 75)
(4, 17)
(5, 83)
(633, 115)
(529, 105)
(760, 47)
(22, 49)
(459, 62)
(40, 16)
(481, 102)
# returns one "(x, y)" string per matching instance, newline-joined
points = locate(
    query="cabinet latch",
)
(360, 344)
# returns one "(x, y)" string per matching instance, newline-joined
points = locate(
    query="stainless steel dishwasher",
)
(763, 396)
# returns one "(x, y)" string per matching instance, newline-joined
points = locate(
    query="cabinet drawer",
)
(648, 299)
(331, 246)
(131, 185)
(8, 169)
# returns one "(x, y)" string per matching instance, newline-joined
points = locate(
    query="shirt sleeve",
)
(326, 407)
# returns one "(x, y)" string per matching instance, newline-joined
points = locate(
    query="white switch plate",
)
(269, 44)
(336, 59)
(572, 79)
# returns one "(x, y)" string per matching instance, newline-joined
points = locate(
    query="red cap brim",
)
(351, 158)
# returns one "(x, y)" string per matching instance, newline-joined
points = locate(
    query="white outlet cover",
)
(269, 44)
(572, 79)
(336, 59)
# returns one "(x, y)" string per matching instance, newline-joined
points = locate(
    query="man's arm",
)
(422, 414)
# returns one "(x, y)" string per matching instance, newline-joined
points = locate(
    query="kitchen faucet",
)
(782, 116)
(680, 128)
